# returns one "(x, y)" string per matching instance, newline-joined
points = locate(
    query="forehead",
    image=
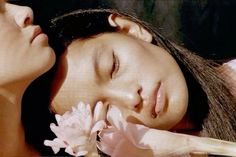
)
(87, 48)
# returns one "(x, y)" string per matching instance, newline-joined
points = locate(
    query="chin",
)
(47, 63)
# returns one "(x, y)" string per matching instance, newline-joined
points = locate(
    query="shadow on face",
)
(122, 68)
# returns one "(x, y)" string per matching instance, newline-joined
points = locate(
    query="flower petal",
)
(56, 144)
(100, 111)
(58, 118)
(98, 126)
(114, 117)
(82, 140)
(77, 130)
(110, 136)
(81, 153)
(69, 150)
(105, 148)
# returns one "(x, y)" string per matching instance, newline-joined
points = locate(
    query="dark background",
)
(204, 26)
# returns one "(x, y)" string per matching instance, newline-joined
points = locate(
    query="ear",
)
(129, 27)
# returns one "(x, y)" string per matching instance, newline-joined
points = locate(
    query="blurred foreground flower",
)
(124, 139)
(77, 133)
(77, 130)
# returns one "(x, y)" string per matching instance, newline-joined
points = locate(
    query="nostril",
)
(25, 16)
(23, 20)
(139, 91)
(22, 15)
(137, 107)
(27, 21)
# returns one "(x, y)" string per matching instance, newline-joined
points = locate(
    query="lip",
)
(36, 32)
(157, 100)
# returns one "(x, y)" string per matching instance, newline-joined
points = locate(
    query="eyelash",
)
(115, 65)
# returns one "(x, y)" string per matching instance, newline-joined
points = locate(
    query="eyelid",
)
(115, 65)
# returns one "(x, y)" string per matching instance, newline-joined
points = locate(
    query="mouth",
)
(36, 32)
(157, 101)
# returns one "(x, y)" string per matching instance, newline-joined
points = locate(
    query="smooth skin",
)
(123, 69)
(24, 55)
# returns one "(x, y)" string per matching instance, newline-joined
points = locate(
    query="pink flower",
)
(77, 133)
(124, 139)
(77, 130)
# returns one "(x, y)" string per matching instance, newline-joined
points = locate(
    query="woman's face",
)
(143, 80)
(24, 49)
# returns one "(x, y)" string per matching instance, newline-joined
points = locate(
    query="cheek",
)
(60, 103)
(63, 97)
(177, 98)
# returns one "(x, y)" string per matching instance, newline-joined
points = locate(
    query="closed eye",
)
(115, 66)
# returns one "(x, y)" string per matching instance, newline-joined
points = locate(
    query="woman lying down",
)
(143, 95)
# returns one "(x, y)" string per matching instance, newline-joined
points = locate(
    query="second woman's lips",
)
(158, 101)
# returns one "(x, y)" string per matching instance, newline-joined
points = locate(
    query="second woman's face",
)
(24, 49)
(143, 80)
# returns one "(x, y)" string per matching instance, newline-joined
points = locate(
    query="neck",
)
(12, 92)
(11, 129)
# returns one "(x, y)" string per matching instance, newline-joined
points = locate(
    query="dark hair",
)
(211, 105)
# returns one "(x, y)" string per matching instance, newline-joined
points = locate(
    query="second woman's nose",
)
(127, 96)
(22, 15)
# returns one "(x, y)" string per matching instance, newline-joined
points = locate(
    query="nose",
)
(127, 96)
(23, 15)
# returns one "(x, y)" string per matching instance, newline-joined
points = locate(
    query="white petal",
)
(99, 111)
(57, 131)
(82, 140)
(56, 144)
(88, 108)
(69, 150)
(105, 148)
(88, 124)
(110, 137)
(98, 126)
(55, 149)
(81, 107)
(58, 118)
(135, 133)
(114, 116)
(75, 130)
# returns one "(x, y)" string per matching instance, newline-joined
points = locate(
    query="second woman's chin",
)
(185, 126)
